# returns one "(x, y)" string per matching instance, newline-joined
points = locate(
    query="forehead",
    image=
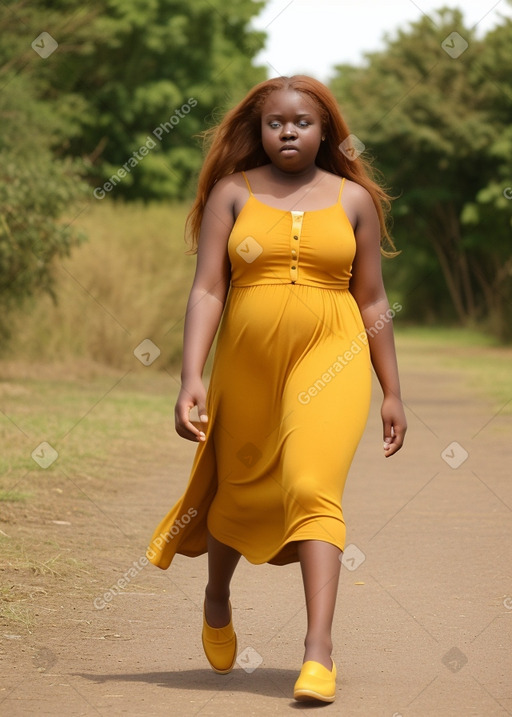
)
(290, 101)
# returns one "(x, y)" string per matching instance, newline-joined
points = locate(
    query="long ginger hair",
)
(235, 145)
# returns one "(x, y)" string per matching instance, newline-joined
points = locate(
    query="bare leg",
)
(320, 564)
(222, 561)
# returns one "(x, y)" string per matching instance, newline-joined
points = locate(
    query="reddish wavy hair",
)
(235, 145)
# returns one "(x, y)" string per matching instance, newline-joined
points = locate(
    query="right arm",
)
(205, 306)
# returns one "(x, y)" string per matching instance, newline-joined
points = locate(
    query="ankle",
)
(216, 595)
(319, 649)
(320, 641)
(217, 609)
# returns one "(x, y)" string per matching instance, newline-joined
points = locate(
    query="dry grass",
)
(128, 282)
(28, 575)
(105, 425)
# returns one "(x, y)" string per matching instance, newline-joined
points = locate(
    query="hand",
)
(394, 424)
(192, 393)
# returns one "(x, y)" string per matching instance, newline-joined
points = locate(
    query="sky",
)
(312, 36)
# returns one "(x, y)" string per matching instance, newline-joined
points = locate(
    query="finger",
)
(396, 442)
(203, 413)
(202, 424)
(389, 434)
(191, 434)
(191, 430)
(198, 427)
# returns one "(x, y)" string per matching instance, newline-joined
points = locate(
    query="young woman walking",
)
(289, 229)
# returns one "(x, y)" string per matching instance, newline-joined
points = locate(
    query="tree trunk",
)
(450, 278)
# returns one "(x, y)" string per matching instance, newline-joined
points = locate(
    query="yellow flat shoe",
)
(219, 644)
(315, 682)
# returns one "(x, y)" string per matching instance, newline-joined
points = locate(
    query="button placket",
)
(295, 235)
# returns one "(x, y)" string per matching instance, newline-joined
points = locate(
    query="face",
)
(291, 130)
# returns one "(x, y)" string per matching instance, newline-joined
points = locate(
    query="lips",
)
(288, 148)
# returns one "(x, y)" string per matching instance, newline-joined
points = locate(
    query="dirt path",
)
(424, 617)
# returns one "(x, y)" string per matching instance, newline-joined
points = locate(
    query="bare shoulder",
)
(227, 196)
(358, 204)
(357, 194)
(228, 188)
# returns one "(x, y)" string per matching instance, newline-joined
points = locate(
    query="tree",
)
(433, 109)
(111, 91)
(141, 74)
(37, 187)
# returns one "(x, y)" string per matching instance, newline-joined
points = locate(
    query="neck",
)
(303, 175)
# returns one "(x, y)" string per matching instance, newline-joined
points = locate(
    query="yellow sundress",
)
(289, 393)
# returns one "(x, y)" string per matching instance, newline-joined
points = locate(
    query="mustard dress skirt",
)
(288, 397)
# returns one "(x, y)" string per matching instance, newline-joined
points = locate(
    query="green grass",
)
(447, 337)
(484, 364)
(14, 496)
(84, 420)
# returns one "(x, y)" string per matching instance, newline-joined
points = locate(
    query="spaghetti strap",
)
(341, 189)
(247, 182)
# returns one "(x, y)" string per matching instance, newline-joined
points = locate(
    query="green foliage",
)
(124, 68)
(36, 188)
(438, 127)
(122, 96)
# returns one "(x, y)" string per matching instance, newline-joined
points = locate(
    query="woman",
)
(288, 227)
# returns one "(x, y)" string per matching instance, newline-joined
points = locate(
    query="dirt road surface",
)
(424, 615)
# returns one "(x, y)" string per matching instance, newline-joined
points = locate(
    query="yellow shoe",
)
(219, 644)
(315, 682)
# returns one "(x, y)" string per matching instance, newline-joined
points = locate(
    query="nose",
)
(288, 131)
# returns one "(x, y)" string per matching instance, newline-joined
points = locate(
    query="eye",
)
(303, 123)
(274, 124)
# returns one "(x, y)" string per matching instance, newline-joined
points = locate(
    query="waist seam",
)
(290, 283)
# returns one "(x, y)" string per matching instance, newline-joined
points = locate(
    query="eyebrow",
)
(299, 114)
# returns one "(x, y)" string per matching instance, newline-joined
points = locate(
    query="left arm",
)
(367, 288)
